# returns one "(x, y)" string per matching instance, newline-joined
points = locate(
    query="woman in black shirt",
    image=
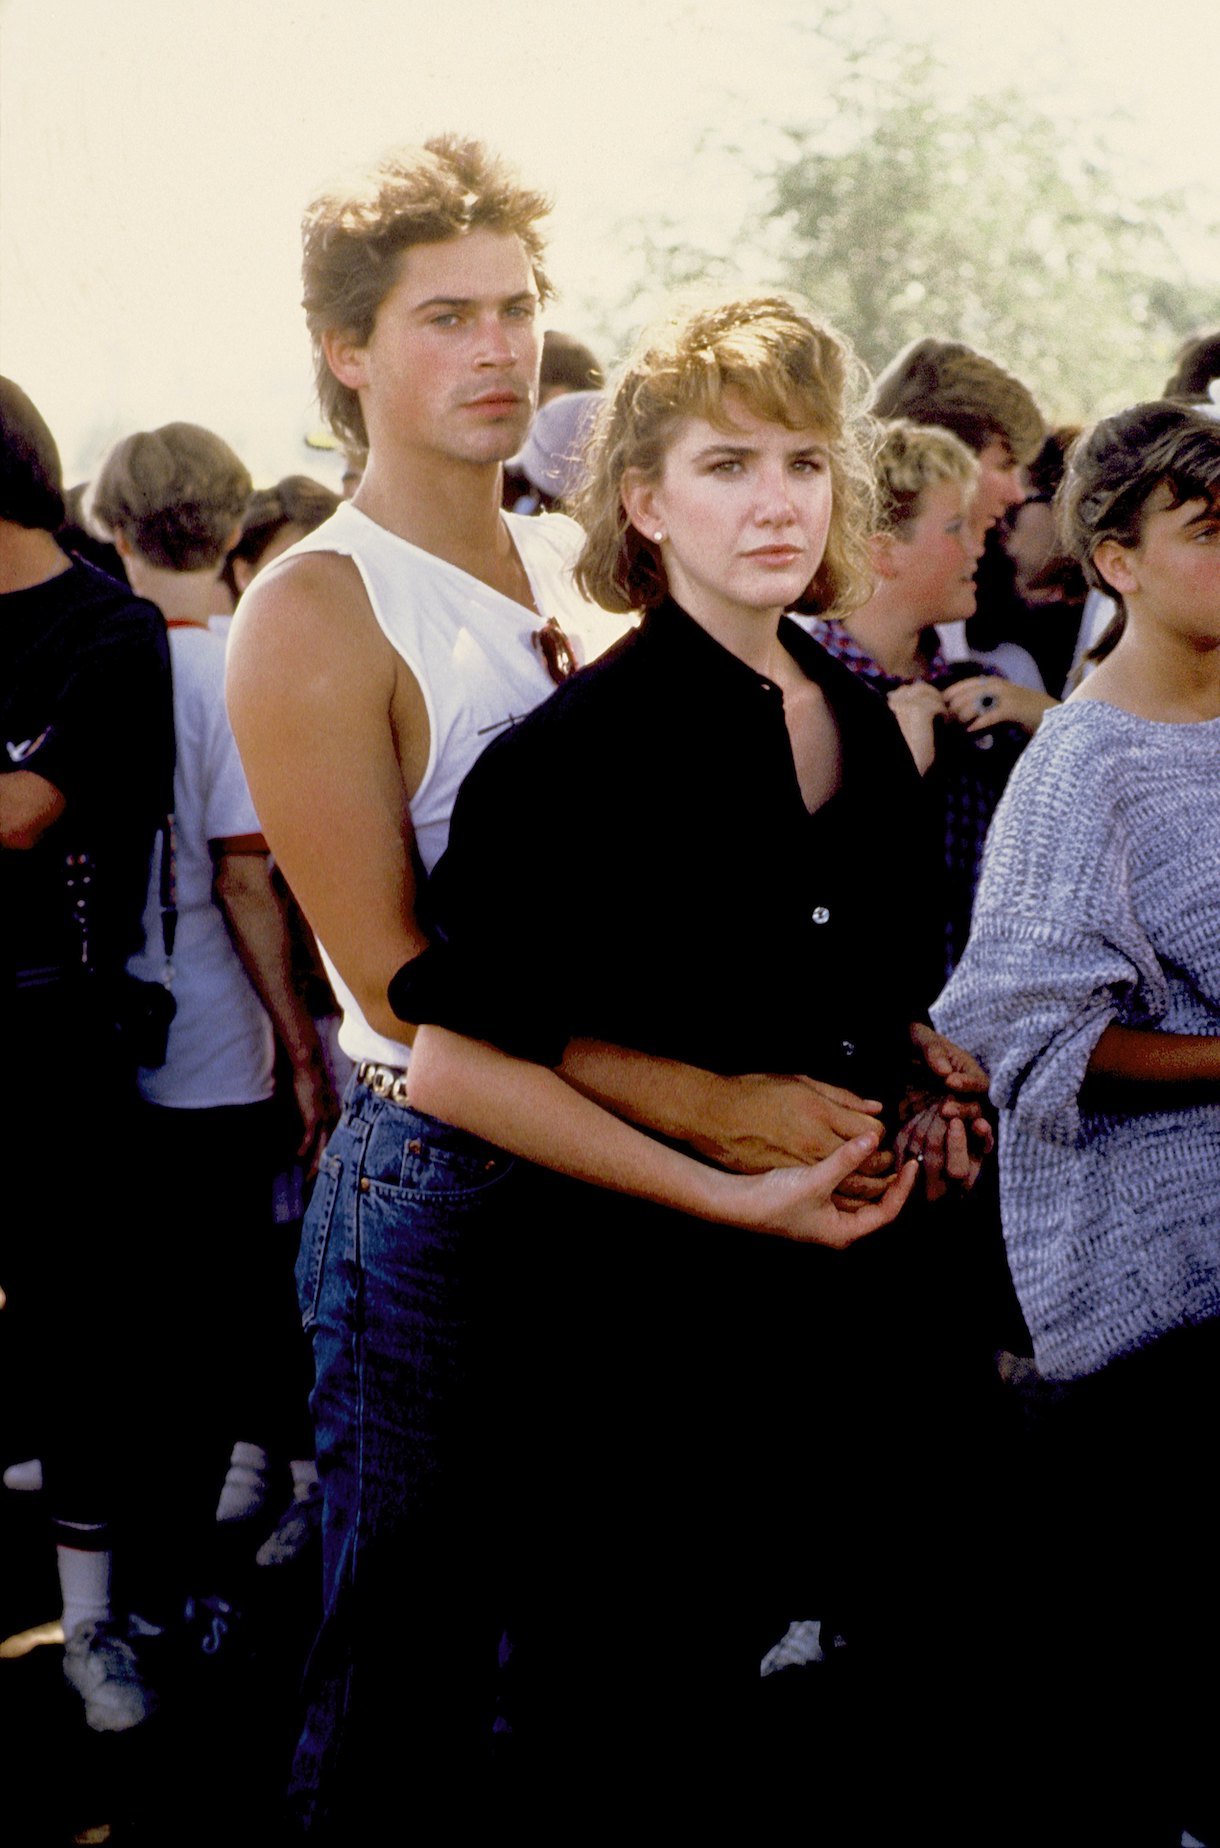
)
(696, 849)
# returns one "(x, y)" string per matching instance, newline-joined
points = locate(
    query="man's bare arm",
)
(526, 1109)
(333, 732)
(29, 805)
(746, 1124)
(333, 740)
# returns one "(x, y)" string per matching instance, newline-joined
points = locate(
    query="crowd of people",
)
(683, 905)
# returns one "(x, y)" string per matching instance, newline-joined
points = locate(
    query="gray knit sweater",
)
(1099, 902)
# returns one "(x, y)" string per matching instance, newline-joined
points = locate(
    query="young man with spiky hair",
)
(950, 385)
(946, 383)
(369, 667)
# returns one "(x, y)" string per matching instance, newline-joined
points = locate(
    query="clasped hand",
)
(941, 1119)
(772, 1121)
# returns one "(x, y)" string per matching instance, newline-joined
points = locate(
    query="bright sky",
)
(155, 157)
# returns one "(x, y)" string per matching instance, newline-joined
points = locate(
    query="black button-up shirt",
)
(635, 863)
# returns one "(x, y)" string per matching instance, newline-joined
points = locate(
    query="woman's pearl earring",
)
(659, 537)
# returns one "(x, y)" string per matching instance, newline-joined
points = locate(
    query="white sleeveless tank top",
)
(471, 650)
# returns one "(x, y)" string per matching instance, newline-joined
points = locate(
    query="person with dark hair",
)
(567, 365)
(1196, 368)
(1091, 989)
(276, 518)
(1048, 583)
(76, 537)
(85, 784)
(31, 484)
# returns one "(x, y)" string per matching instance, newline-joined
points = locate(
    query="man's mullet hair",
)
(354, 232)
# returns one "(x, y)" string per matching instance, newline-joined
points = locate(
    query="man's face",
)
(451, 365)
(1000, 485)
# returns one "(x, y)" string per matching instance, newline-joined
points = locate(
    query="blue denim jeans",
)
(397, 1295)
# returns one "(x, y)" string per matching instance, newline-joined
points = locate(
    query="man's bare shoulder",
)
(305, 648)
(310, 608)
(308, 662)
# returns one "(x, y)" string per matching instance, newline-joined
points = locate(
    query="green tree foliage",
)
(986, 223)
(899, 211)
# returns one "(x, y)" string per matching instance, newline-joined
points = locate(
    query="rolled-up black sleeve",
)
(494, 969)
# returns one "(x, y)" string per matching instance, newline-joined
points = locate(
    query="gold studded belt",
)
(389, 1081)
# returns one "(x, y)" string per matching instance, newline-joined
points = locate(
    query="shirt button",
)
(821, 915)
(849, 1047)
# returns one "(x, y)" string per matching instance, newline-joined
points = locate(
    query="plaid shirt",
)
(966, 780)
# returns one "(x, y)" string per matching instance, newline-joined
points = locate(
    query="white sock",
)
(245, 1486)
(84, 1581)
(304, 1478)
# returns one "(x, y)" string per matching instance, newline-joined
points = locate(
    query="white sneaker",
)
(101, 1665)
(24, 1478)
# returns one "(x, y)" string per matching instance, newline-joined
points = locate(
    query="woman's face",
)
(934, 559)
(743, 511)
(1172, 577)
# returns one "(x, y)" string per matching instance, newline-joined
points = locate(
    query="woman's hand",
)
(958, 1070)
(799, 1203)
(945, 1131)
(949, 1151)
(917, 707)
(986, 699)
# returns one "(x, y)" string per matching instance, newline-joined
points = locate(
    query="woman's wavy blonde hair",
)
(787, 369)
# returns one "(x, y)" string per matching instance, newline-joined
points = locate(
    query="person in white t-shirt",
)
(205, 1322)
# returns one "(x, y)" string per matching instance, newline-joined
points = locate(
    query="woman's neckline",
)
(1136, 718)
